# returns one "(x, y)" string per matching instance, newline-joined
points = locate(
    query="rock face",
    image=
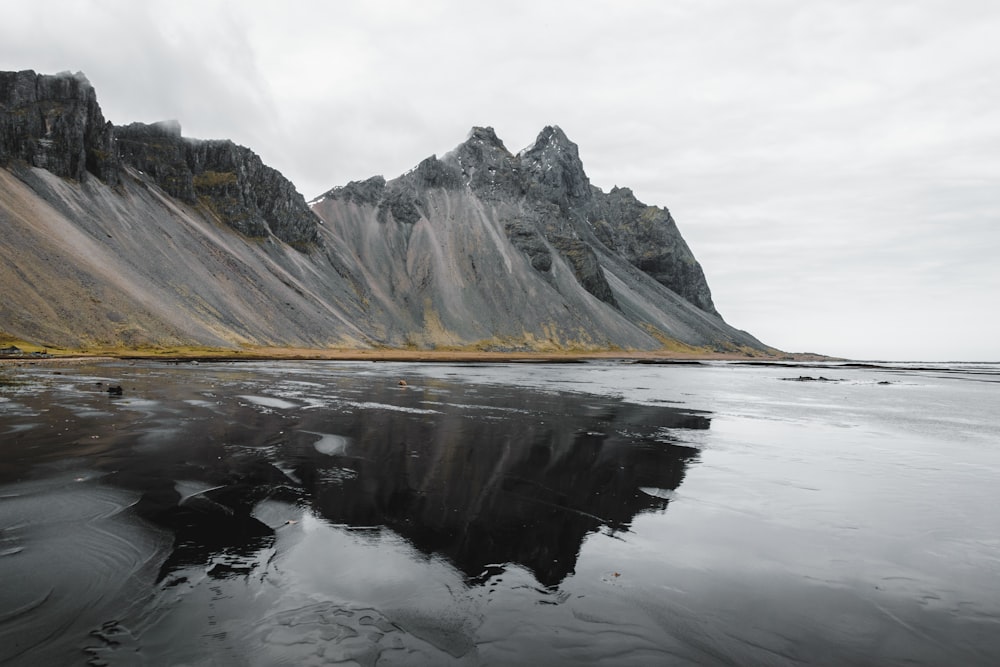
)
(55, 123)
(112, 237)
(521, 232)
(647, 237)
(559, 205)
(229, 180)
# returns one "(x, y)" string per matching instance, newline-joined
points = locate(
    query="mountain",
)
(135, 236)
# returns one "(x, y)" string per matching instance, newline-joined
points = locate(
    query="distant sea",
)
(614, 513)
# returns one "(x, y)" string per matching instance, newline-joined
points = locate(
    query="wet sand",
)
(595, 513)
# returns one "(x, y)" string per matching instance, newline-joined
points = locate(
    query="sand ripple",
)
(75, 529)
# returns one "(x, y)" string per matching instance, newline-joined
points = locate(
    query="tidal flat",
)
(606, 512)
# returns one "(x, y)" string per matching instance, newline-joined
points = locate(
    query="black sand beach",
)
(322, 512)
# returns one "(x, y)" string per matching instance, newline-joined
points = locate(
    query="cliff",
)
(54, 123)
(229, 180)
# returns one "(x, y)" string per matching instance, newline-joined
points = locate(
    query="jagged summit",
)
(479, 158)
(607, 254)
(552, 141)
(555, 211)
(550, 134)
(555, 161)
(484, 135)
(368, 191)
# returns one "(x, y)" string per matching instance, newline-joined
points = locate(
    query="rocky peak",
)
(484, 136)
(368, 191)
(485, 164)
(482, 149)
(554, 166)
(549, 210)
(551, 136)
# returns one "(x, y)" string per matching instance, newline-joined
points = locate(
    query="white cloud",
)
(832, 164)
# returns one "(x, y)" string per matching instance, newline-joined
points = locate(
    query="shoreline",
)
(407, 355)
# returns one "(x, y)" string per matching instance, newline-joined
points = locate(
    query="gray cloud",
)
(833, 164)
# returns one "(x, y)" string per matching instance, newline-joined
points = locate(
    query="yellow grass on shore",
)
(400, 355)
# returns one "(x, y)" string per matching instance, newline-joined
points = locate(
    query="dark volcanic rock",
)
(159, 151)
(400, 201)
(433, 173)
(486, 166)
(586, 267)
(55, 123)
(554, 171)
(527, 239)
(554, 181)
(557, 211)
(112, 238)
(229, 180)
(647, 236)
(505, 250)
(360, 192)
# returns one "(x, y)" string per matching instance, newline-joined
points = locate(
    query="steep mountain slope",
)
(85, 265)
(484, 244)
(136, 236)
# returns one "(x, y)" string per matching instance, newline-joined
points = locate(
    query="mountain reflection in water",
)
(200, 474)
(501, 477)
(523, 481)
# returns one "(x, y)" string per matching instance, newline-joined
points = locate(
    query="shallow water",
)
(321, 513)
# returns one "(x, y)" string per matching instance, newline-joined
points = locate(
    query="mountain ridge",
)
(489, 169)
(183, 241)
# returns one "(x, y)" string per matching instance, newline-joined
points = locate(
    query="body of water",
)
(312, 513)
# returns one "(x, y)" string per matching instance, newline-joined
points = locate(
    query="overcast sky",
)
(834, 165)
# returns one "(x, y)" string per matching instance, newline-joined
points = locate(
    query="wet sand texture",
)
(316, 513)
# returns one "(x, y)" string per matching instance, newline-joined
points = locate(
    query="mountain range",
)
(135, 236)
